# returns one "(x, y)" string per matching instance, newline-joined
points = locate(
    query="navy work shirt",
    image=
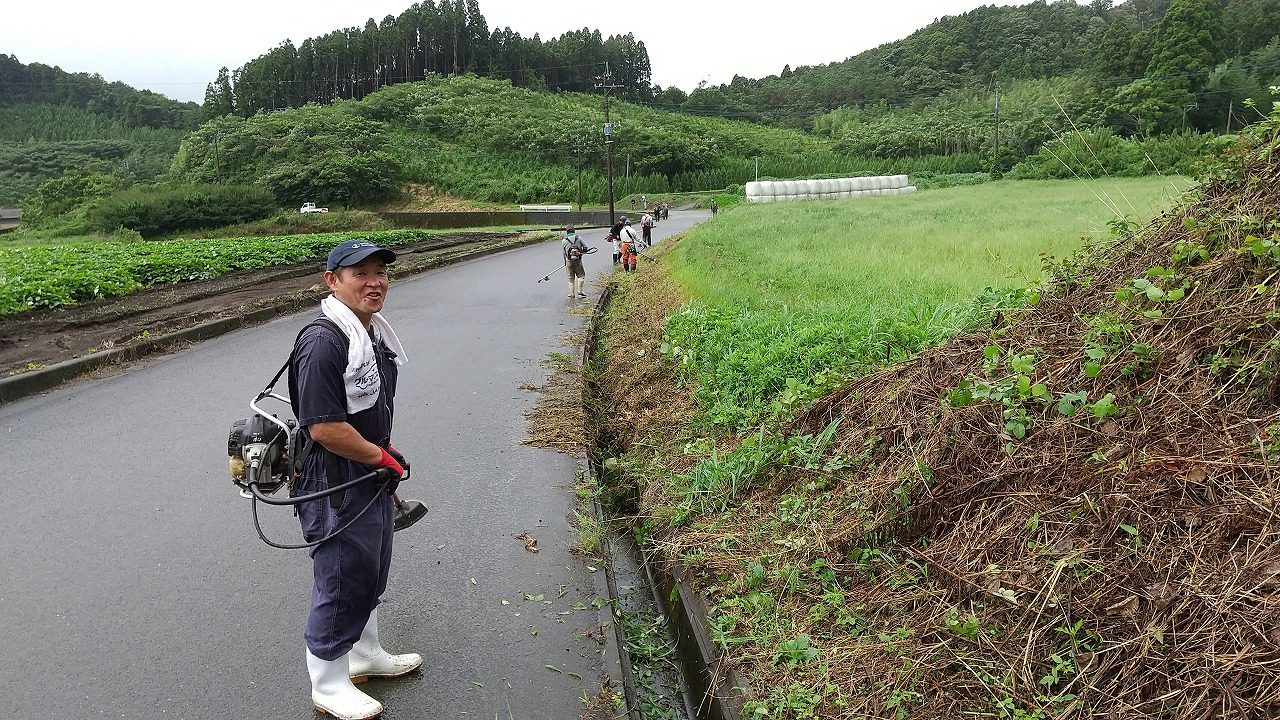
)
(318, 394)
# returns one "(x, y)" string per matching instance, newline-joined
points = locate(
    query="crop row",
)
(48, 276)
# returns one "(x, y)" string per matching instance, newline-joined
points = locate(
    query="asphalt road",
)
(132, 583)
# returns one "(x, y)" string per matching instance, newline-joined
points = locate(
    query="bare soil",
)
(40, 338)
(425, 198)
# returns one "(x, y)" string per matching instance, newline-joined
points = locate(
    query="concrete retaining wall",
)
(447, 220)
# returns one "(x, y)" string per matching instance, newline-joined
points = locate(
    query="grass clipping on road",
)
(557, 420)
(1073, 514)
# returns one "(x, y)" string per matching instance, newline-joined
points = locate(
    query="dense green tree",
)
(670, 97)
(1189, 42)
(219, 98)
(1148, 107)
(75, 189)
(1250, 24)
(1115, 57)
(1222, 105)
(451, 37)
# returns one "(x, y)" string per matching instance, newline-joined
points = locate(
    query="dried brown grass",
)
(641, 391)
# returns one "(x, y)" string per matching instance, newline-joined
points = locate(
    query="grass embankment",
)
(789, 301)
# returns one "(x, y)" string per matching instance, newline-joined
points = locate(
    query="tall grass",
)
(788, 297)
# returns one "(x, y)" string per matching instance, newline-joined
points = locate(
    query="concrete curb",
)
(31, 382)
(721, 691)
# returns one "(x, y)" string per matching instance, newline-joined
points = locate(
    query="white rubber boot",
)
(368, 659)
(582, 284)
(332, 691)
(570, 281)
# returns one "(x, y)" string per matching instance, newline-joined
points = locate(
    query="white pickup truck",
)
(310, 207)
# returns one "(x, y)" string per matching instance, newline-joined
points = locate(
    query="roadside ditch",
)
(671, 665)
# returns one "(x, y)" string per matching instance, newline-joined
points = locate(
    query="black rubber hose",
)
(258, 526)
(299, 499)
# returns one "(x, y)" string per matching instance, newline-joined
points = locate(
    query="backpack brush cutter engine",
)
(267, 453)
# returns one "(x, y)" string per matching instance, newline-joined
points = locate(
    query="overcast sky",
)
(176, 48)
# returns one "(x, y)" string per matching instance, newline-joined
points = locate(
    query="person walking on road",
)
(630, 247)
(613, 242)
(715, 207)
(646, 226)
(573, 248)
(342, 382)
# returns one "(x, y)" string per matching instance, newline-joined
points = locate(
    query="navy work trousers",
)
(351, 570)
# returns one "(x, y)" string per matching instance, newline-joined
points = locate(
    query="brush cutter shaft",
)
(553, 272)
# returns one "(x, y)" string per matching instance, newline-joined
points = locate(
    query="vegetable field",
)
(47, 276)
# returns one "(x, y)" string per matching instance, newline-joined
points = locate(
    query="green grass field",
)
(882, 255)
(788, 298)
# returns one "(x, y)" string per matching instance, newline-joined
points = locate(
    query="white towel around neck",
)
(361, 378)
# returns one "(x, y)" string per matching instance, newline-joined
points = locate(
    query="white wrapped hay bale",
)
(900, 181)
(753, 190)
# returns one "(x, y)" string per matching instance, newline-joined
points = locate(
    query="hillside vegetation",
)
(489, 140)
(1066, 511)
(1135, 66)
(52, 121)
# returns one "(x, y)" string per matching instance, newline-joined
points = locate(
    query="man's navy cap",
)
(354, 252)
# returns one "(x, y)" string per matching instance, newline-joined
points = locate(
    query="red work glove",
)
(389, 462)
(399, 457)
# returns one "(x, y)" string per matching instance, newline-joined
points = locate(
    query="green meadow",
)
(788, 298)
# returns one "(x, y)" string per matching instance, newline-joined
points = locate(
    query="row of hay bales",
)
(765, 191)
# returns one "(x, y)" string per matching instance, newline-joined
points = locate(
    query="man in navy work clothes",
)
(342, 383)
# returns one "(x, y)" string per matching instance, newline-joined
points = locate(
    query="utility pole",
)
(577, 148)
(997, 145)
(217, 162)
(1185, 109)
(605, 82)
(757, 168)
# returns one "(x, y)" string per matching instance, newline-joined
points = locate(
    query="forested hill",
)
(52, 120)
(448, 38)
(1177, 44)
(111, 101)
